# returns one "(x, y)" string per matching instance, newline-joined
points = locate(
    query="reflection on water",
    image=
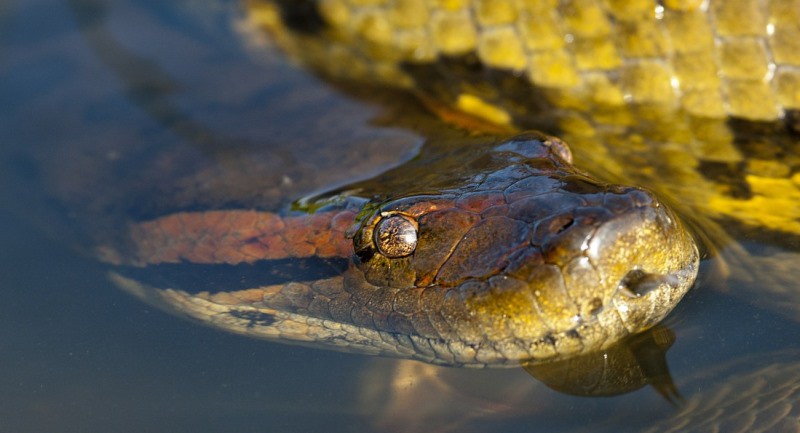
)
(81, 128)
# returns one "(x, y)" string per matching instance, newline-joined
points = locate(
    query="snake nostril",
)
(638, 282)
(630, 282)
(562, 238)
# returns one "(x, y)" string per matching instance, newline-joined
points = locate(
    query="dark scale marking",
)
(595, 305)
(727, 173)
(301, 16)
(792, 120)
(365, 255)
(454, 75)
(755, 141)
(195, 278)
(254, 318)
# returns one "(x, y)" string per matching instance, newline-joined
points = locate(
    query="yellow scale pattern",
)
(716, 58)
(629, 78)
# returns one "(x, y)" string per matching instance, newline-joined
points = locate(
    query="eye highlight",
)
(395, 236)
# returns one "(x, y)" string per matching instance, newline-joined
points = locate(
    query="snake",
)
(695, 100)
(512, 255)
(501, 251)
(446, 272)
(698, 128)
(496, 261)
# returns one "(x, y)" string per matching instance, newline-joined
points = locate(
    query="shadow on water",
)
(81, 112)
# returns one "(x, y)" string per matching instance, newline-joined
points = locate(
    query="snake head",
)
(531, 258)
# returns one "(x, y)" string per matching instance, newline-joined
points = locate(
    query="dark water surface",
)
(98, 100)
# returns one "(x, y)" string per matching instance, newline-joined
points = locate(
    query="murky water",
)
(90, 91)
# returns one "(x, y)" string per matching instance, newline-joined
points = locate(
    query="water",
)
(80, 355)
(82, 107)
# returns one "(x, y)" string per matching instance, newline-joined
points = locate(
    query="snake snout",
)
(623, 249)
(645, 259)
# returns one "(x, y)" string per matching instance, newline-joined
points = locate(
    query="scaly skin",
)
(623, 82)
(698, 100)
(519, 257)
(642, 92)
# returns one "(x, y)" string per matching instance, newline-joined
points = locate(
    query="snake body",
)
(690, 99)
(697, 101)
(647, 84)
(515, 256)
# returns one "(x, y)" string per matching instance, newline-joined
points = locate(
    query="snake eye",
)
(396, 236)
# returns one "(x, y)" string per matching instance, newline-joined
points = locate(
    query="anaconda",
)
(697, 100)
(630, 92)
(491, 251)
(703, 96)
(699, 125)
(256, 320)
(496, 255)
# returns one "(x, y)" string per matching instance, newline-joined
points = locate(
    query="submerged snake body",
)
(689, 98)
(514, 257)
(643, 85)
(697, 101)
